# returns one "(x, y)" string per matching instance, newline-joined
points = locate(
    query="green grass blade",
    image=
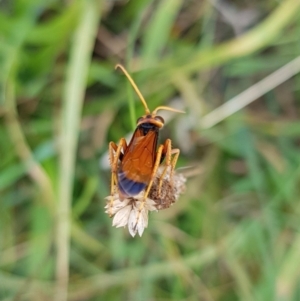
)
(80, 57)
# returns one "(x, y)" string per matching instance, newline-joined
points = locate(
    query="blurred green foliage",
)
(233, 235)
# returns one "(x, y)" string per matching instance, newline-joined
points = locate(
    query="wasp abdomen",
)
(129, 187)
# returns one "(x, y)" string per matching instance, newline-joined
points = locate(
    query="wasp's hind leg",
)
(115, 154)
(158, 159)
(164, 151)
(171, 157)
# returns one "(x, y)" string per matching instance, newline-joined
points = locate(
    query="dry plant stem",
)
(35, 170)
(254, 40)
(72, 104)
(287, 283)
(85, 289)
(188, 90)
(249, 95)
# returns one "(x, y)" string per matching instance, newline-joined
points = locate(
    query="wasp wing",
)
(137, 163)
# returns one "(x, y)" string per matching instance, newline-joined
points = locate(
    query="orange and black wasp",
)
(134, 165)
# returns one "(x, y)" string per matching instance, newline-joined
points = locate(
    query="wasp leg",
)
(154, 171)
(168, 152)
(115, 154)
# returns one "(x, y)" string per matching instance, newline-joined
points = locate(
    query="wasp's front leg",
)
(115, 154)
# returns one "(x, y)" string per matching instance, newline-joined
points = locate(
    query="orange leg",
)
(115, 152)
(164, 149)
(169, 162)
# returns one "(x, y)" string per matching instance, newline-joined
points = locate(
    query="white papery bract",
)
(132, 212)
(128, 212)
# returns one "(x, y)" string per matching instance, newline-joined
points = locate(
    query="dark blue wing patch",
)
(129, 187)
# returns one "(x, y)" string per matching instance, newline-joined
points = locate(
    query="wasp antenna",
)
(167, 109)
(138, 92)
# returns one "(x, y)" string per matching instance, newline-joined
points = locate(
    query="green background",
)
(234, 233)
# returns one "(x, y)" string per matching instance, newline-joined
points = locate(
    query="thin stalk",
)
(23, 150)
(252, 93)
(73, 97)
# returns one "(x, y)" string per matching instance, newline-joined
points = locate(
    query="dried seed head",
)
(169, 192)
(133, 212)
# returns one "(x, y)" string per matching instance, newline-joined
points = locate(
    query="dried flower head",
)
(170, 190)
(133, 212)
